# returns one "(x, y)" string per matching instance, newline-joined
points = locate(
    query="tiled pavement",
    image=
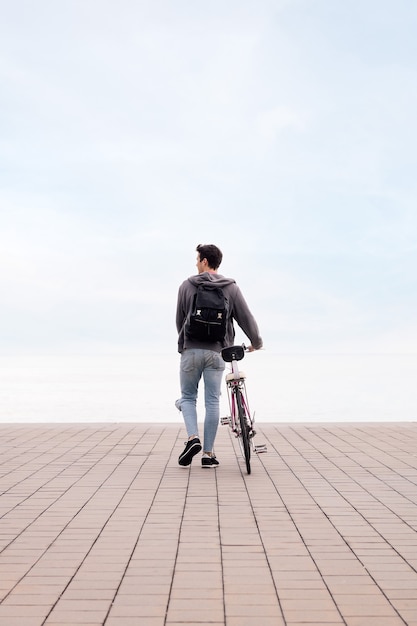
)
(99, 526)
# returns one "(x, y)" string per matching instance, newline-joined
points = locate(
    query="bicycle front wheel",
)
(244, 429)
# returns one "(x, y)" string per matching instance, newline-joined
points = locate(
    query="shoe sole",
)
(186, 458)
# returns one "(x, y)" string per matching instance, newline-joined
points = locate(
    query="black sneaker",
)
(209, 461)
(192, 448)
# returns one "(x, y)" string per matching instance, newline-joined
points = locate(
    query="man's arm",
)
(246, 321)
(180, 315)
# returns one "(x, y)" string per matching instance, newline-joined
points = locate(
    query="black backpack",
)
(208, 317)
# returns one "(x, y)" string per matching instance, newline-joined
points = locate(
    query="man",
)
(202, 358)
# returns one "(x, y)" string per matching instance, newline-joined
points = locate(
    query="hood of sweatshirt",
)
(215, 279)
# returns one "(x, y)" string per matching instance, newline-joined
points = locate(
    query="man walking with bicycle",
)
(208, 303)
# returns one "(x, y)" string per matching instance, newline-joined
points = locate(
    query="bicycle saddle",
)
(233, 353)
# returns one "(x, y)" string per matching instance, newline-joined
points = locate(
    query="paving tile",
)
(23, 611)
(203, 621)
(74, 617)
(133, 621)
(138, 610)
(17, 621)
(95, 516)
(311, 617)
(76, 605)
(375, 621)
(140, 600)
(22, 599)
(254, 621)
(259, 610)
(195, 615)
(251, 599)
(306, 605)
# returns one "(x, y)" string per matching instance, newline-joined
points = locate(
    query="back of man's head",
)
(212, 253)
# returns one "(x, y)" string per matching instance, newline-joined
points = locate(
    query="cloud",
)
(132, 133)
(274, 121)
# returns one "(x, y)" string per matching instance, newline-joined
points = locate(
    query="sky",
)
(284, 131)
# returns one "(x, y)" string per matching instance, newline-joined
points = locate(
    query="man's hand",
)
(252, 349)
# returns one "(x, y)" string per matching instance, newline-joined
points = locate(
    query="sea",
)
(143, 388)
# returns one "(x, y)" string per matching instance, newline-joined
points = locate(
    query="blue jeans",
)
(197, 363)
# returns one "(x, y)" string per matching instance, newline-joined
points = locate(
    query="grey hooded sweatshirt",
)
(238, 310)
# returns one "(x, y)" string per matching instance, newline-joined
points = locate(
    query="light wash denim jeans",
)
(197, 363)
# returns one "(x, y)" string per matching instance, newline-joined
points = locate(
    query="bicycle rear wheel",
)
(244, 429)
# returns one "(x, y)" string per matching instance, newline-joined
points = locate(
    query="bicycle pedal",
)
(261, 447)
(226, 421)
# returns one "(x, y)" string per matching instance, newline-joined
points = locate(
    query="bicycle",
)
(240, 420)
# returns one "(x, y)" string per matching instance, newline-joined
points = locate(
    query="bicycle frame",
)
(240, 420)
(232, 386)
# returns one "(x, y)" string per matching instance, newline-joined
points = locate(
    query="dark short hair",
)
(212, 253)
